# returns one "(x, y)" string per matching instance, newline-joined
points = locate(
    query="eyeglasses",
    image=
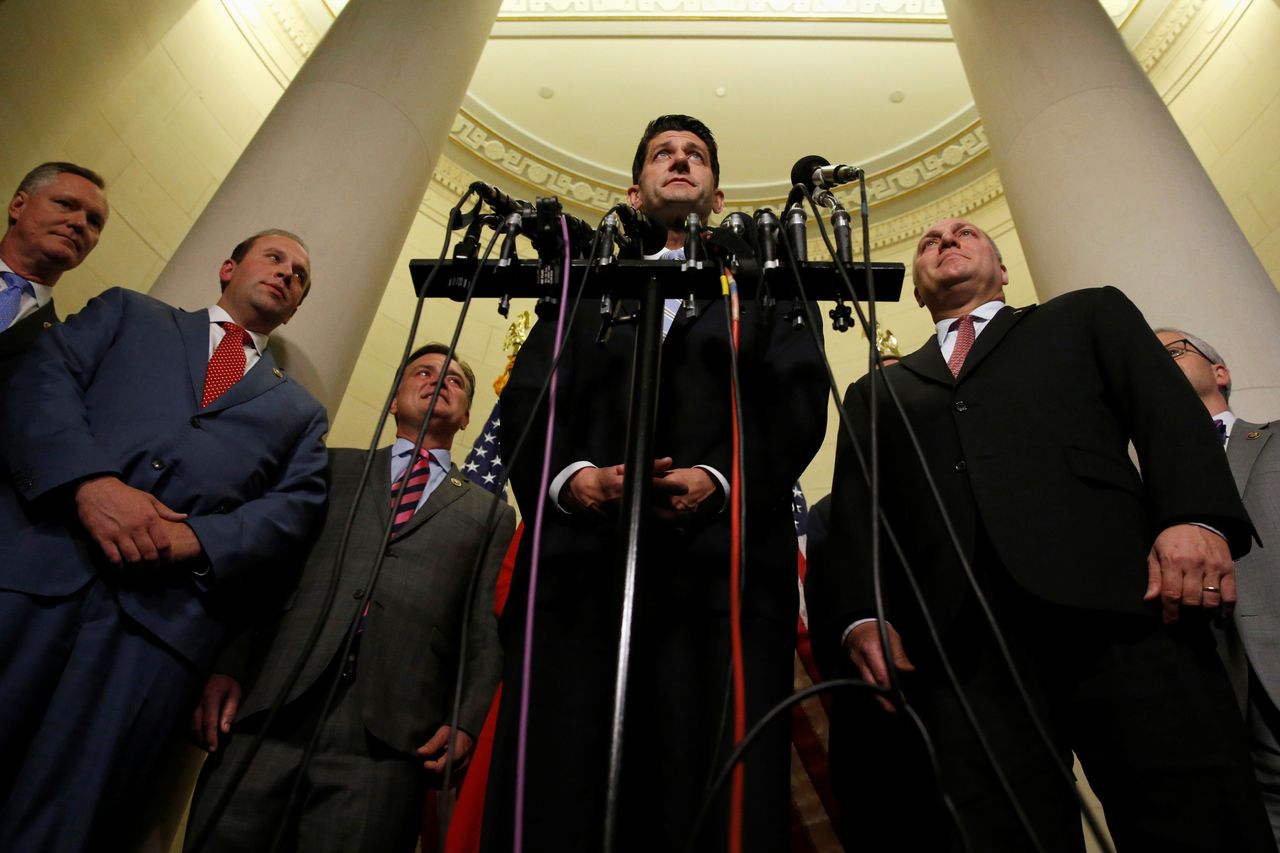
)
(1177, 349)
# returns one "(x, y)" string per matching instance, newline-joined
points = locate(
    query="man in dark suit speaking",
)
(677, 687)
(159, 467)
(55, 219)
(386, 734)
(1024, 418)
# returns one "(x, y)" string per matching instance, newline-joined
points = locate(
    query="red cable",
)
(735, 602)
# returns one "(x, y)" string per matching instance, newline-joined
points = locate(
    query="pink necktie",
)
(226, 365)
(964, 342)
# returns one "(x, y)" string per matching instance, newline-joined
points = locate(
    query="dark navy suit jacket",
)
(116, 390)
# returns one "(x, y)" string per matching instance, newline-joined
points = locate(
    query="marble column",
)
(343, 160)
(1104, 188)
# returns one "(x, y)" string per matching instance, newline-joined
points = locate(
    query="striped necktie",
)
(418, 476)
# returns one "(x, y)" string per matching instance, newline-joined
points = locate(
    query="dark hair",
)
(663, 124)
(242, 248)
(46, 172)
(443, 349)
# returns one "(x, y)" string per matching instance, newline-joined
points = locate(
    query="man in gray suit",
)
(1250, 640)
(384, 739)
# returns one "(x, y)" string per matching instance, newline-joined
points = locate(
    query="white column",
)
(1105, 189)
(343, 160)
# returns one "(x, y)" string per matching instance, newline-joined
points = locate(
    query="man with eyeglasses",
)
(1250, 640)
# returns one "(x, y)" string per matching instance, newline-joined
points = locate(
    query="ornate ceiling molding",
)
(877, 11)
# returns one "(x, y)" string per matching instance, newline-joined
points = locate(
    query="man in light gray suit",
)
(1250, 640)
(385, 736)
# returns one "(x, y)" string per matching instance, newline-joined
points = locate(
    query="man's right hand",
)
(215, 711)
(863, 645)
(599, 490)
(124, 521)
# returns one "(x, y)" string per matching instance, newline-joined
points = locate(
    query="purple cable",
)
(526, 665)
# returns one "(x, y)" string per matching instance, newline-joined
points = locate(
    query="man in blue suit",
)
(162, 470)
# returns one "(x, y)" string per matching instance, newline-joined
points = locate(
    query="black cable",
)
(936, 494)
(238, 773)
(785, 705)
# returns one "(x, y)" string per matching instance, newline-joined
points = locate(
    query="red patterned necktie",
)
(408, 505)
(964, 342)
(226, 365)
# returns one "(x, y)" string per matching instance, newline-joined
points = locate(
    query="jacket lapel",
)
(194, 328)
(261, 378)
(1243, 451)
(928, 363)
(997, 327)
(452, 487)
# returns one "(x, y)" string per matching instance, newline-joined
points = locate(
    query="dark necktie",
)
(226, 365)
(1222, 429)
(965, 337)
(408, 505)
(11, 297)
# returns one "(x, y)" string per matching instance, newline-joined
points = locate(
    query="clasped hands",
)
(133, 527)
(1189, 566)
(678, 494)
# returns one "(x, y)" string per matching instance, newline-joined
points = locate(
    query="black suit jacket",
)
(784, 404)
(409, 652)
(21, 336)
(1030, 445)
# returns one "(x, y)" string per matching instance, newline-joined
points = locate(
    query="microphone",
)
(820, 177)
(581, 234)
(649, 233)
(501, 203)
(834, 176)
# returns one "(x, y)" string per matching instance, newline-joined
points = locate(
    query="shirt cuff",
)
(1211, 529)
(558, 484)
(856, 623)
(719, 478)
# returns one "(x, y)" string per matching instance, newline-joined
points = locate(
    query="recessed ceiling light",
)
(546, 92)
(897, 97)
(720, 91)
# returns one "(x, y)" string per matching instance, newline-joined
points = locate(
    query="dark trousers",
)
(678, 729)
(1146, 707)
(357, 793)
(89, 699)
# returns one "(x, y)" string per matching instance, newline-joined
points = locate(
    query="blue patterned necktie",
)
(1222, 429)
(11, 297)
(670, 307)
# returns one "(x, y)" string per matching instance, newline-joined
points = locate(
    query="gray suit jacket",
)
(409, 650)
(1254, 637)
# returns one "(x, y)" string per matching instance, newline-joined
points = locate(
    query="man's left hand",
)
(434, 750)
(1190, 566)
(680, 493)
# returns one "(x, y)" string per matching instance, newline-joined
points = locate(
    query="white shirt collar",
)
(1228, 419)
(218, 314)
(440, 454)
(43, 292)
(981, 315)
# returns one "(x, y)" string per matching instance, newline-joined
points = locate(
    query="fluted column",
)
(343, 159)
(1104, 188)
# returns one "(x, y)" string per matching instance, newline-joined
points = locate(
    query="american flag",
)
(484, 466)
(812, 799)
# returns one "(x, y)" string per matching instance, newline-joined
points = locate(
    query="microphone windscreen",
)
(802, 171)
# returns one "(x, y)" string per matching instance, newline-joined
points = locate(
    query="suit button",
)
(961, 406)
(195, 422)
(389, 553)
(157, 464)
(961, 466)
(358, 594)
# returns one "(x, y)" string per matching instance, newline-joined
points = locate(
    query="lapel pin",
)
(47, 324)
(1255, 434)
(278, 372)
(455, 481)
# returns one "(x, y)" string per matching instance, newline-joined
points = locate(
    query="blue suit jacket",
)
(116, 390)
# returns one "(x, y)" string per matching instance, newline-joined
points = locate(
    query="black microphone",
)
(501, 203)
(649, 232)
(834, 176)
(806, 173)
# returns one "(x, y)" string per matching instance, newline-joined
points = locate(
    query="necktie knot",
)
(1221, 426)
(965, 335)
(11, 297)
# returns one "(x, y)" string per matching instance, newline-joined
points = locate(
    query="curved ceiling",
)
(565, 87)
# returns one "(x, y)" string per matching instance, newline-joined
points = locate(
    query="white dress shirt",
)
(400, 461)
(981, 315)
(254, 344)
